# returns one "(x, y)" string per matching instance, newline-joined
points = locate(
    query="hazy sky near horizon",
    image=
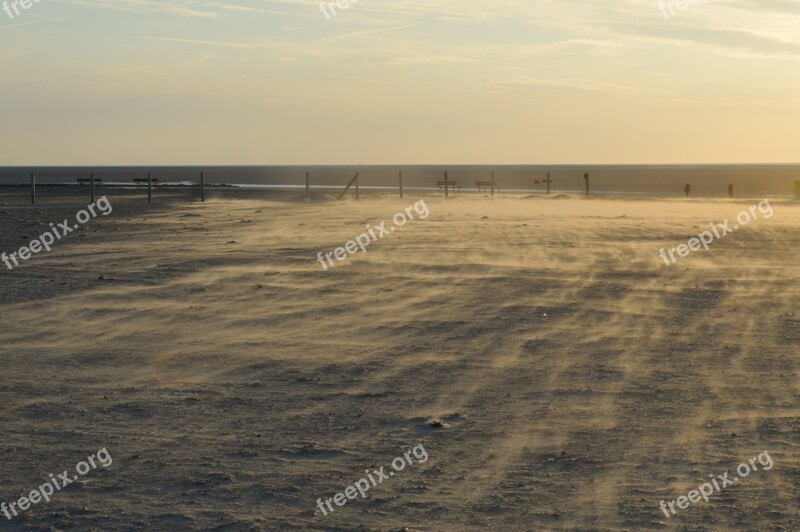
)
(399, 82)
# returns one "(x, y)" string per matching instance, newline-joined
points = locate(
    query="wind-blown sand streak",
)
(577, 380)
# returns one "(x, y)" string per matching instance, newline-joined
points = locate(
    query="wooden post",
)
(356, 188)
(202, 186)
(308, 189)
(492, 182)
(687, 190)
(446, 186)
(350, 184)
(586, 177)
(149, 188)
(91, 181)
(33, 189)
(548, 181)
(730, 191)
(401, 184)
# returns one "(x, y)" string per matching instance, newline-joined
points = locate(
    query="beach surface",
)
(558, 373)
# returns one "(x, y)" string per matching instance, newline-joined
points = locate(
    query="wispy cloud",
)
(582, 85)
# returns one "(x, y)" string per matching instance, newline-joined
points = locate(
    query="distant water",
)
(705, 180)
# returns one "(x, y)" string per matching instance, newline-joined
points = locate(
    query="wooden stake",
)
(492, 182)
(586, 177)
(548, 181)
(446, 186)
(354, 180)
(401, 184)
(308, 188)
(33, 189)
(202, 186)
(149, 188)
(91, 180)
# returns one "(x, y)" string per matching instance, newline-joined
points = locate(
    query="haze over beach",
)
(369, 265)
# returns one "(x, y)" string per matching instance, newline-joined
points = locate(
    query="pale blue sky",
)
(399, 81)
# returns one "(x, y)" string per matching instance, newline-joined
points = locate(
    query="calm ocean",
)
(706, 180)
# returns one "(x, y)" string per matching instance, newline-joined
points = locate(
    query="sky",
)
(91, 82)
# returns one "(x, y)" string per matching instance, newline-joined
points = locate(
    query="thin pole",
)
(91, 180)
(349, 184)
(308, 189)
(586, 177)
(149, 188)
(33, 189)
(492, 182)
(202, 186)
(548, 182)
(401, 184)
(446, 186)
(356, 188)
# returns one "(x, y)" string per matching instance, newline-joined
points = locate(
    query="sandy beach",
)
(559, 375)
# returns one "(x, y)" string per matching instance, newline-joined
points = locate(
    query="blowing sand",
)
(559, 375)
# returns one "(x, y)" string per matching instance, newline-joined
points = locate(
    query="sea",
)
(757, 180)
